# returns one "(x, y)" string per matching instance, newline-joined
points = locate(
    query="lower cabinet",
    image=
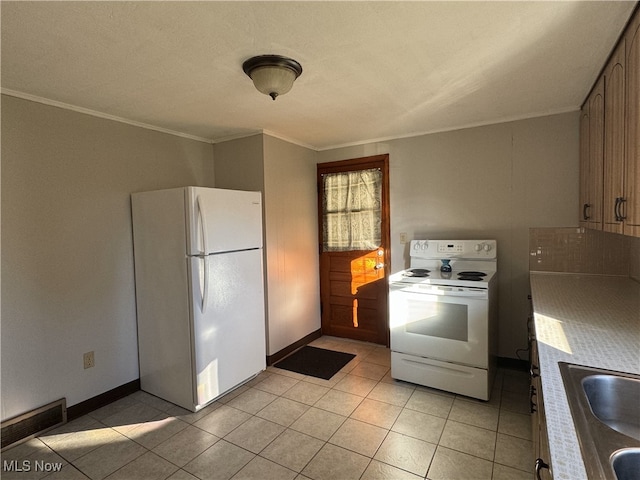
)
(542, 455)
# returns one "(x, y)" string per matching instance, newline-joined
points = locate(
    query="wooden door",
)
(614, 114)
(353, 264)
(596, 154)
(631, 208)
(584, 165)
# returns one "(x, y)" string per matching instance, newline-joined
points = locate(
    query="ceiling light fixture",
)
(272, 75)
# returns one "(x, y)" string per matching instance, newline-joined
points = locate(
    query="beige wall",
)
(292, 243)
(67, 263)
(495, 181)
(285, 173)
(67, 258)
(239, 164)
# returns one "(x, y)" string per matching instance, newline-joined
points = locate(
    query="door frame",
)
(375, 161)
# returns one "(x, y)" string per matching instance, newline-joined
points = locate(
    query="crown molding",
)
(94, 113)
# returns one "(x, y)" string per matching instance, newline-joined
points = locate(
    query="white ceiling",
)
(372, 70)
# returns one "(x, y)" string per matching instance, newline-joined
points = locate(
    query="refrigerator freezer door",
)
(229, 337)
(223, 220)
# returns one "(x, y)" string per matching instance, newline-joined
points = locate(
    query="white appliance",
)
(199, 292)
(443, 323)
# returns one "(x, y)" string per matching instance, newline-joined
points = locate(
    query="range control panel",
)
(471, 249)
(455, 247)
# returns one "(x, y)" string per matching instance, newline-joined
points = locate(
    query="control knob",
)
(421, 246)
(478, 247)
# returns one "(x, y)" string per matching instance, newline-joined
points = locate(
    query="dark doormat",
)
(317, 362)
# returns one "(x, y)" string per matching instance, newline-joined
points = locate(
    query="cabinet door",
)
(614, 133)
(584, 166)
(533, 396)
(541, 452)
(596, 154)
(632, 188)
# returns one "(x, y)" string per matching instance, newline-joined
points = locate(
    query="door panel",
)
(584, 166)
(228, 321)
(632, 188)
(614, 113)
(596, 154)
(441, 327)
(353, 273)
(226, 220)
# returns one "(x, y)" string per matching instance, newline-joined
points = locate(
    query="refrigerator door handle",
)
(205, 251)
(205, 293)
(203, 225)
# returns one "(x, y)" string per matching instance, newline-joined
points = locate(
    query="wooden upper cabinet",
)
(610, 141)
(631, 207)
(596, 154)
(614, 139)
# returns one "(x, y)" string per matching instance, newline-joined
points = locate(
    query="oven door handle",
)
(436, 291)
(467, 293)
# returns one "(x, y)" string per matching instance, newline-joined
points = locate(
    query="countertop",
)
(591, 320)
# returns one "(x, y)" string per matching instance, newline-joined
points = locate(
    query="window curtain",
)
(352, 210)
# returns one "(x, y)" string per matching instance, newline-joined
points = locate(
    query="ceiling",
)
(372, 70)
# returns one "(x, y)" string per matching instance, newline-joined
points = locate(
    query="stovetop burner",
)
(472, 276)
(417, 272)
(431, 275)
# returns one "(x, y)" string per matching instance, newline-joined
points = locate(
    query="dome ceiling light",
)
(272, 75)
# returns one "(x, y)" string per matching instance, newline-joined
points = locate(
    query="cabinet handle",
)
(616, 213)
(533, 407)
(585, 207)
(533, 371)
(619, 215)
(540, 464)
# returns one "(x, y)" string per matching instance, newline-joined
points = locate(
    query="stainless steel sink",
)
(615, 401)
(605, 406)
(626, 463)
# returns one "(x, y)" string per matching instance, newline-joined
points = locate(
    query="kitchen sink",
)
(605, 406)
(626, 463)
(615, 401)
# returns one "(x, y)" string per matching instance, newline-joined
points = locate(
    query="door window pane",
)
(351, 210)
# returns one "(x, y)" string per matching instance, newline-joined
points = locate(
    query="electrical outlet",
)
(89, 360)
(403, 238)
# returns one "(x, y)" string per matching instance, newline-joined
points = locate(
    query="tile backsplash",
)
(580, 250)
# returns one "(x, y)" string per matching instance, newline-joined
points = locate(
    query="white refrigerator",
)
(199, 292)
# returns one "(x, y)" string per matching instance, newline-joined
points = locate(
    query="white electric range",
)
(443, 316)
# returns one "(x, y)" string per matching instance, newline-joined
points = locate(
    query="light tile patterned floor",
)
(361, 424)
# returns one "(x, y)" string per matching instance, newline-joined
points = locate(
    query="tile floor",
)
(361, 424)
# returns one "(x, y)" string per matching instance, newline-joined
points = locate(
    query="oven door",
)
(446, 323)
